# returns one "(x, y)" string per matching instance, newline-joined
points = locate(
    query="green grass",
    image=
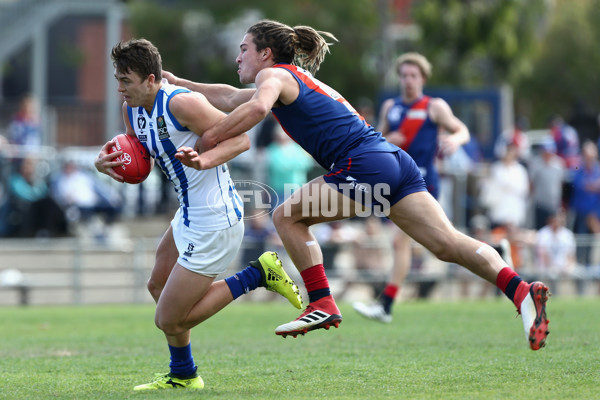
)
(458, 350)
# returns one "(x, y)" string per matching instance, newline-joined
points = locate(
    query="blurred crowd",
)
(539, 196)
(544, 199)
(537, 200)
(44, 195)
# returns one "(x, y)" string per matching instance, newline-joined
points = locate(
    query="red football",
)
(137, 164)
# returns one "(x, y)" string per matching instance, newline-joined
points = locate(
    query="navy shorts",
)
(377, 178)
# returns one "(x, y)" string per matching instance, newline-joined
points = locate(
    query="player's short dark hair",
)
(139, 56)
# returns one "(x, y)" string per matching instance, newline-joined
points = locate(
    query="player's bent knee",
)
(445, 254)
(279, 217)
(445, 250)
(154, 289)
(169, 327)
(286, 216)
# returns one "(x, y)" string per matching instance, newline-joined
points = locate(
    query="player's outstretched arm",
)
(272, 84)
(218, 155)
(224, 97)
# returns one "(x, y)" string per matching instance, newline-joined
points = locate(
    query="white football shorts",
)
(204, 252)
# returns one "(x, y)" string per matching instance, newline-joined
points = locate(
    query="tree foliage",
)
(479, 42)
(545, 49)
(199, 40)
(565, 73)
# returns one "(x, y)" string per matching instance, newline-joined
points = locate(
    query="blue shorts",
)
(377, 178)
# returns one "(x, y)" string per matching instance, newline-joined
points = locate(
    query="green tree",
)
(564, 73)
(479, 42)
(199, 40)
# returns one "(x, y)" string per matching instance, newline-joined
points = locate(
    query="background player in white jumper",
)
(207, 229)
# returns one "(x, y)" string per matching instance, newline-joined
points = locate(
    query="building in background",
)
(55, 50)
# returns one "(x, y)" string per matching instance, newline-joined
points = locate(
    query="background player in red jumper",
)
(272, 56)
(424, 127)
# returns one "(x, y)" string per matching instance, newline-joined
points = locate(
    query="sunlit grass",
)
(459, 350)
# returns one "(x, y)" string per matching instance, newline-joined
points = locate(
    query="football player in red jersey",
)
(366, 172)
(424, 127)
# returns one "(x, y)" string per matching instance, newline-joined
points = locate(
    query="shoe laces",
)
(309, 309)
(159, 376)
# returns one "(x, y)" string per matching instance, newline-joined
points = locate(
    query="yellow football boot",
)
(166, 381)
(275, 279)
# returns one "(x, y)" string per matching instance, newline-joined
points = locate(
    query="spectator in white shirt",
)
(555, 250)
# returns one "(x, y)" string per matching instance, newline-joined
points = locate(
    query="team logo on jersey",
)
(395, 114)
(141, 122)
(143, 138)
(161, 125)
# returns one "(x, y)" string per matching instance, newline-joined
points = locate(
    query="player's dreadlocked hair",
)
(139, 56)
(301, 45)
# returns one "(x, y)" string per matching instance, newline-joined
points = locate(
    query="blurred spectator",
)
(259, 232)
(555, 250)
(266, 132)
(453, 169)
(480, 229)
(372, 257)
(167, 202)
(82, 195)
(333, 236)
(288, 163)
(547, 173)
(372, 246)
(25, 129)
(505, 195)
(3, 174)
(598, 129)
(583, 120)
(470, 201)
(567, 141)
(585, 197)
(505, 191)
(30, 211)
(515, 136)
(364, 107)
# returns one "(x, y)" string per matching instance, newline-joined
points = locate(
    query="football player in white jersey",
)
(202, 239)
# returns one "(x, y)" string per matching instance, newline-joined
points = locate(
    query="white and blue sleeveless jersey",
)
(207, 199)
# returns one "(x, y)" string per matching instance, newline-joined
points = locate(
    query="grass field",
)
(458, 350)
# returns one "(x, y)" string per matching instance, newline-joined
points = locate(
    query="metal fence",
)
(80, 270)
(85, 271)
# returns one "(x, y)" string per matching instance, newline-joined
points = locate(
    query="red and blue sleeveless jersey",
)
(324, 124)
(421, 134)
